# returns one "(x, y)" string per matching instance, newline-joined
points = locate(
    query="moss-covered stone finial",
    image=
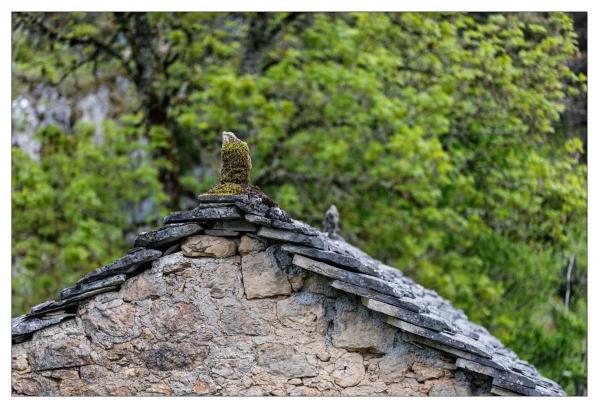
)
(236, 161)
(236, 164)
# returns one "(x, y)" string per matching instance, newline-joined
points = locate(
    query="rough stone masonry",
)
(236, 298)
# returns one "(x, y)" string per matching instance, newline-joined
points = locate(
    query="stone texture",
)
(331, 257)
(202, 214)
(60, 346)
(420, 319)
(203, 245)
(455, 341)
(494, 372)
(283, 360)
(142, 287)
(233, 326)
(184, 327)
(247, 245)
(349, 370)
(294, 226)
(356, 329)
(288, 236)
(166, 235)
(221, 233)
(356, 279)
(307, 317)
(262, 277)
(82, 288)
(126, 264)
(235, 225)
(22, 326)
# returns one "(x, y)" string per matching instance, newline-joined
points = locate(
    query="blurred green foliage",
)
(436, 135)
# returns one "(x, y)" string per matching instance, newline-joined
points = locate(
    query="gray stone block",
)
(82, 288)
(127, 264)
(288, 236)
(494, 372)
(22, 326)
(166, 235)
(354, 278)
(294, 226)
(235, 225)
(422, 320)
(200, 214)
(334, 258)
(371, 294)
(456, 341)
(221, 233)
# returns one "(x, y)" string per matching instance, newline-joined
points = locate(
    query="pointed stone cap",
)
(330, 224)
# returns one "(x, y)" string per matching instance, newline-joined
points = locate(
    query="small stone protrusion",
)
(330, 224)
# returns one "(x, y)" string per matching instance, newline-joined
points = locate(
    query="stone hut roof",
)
(421, 313)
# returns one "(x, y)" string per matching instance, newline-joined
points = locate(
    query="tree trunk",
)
(146, 74)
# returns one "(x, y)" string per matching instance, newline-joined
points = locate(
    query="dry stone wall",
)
(229, 316)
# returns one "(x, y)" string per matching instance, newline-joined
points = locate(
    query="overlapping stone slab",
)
(235, 225)
(126, 264)
(288, 236)
(219, 199)
(506, 375)
(293, 226)
(221, 233)
(81, 289)
(331, 257)
(453, 340)
(354, 278)
(166, 235)
(420, 313)
(452, 350)
(253, 202)
(372, 294)
(200, 214)
(520, 389)
(23, 326)
(77, 294)
(419, 319)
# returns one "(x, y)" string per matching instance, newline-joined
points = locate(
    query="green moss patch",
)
(226, 189)
(236, 163)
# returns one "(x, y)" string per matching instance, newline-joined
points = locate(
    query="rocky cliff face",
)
(230, 317)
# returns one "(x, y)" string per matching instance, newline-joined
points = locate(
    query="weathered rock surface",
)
(356, 279)
(334, 258)
(235, 225)
(204, 245)
(288, 236)
(187, 327)
(247, 245)
(357, 329)
(349, 370)
(293, 225)
(262, 277)
(82, 288)
(203, 214)
(166, 235)
(126, 264)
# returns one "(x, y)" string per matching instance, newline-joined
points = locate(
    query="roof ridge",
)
(234, 206)
(428, 318)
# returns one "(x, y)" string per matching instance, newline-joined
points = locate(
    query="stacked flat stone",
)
(422, 314)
